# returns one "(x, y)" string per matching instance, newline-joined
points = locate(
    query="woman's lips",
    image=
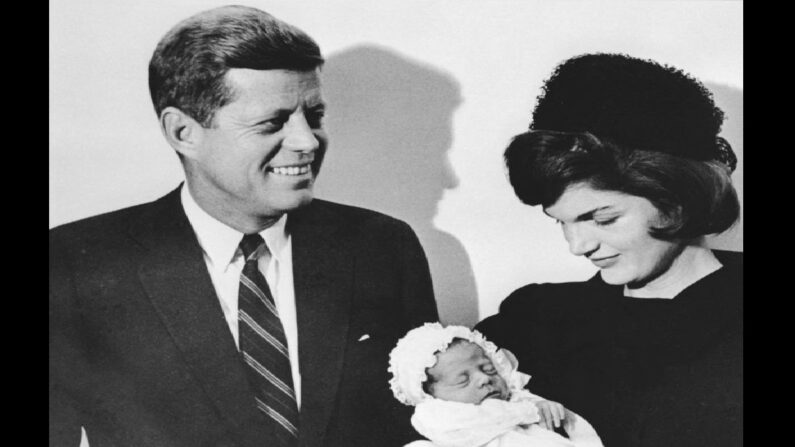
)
(605, 262)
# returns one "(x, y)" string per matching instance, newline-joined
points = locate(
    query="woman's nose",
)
(581, 241)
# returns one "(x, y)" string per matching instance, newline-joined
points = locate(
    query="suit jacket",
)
(140, 354)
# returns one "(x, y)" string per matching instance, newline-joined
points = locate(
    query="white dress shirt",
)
(225, 262)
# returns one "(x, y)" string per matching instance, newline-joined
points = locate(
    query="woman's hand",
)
(550, 414)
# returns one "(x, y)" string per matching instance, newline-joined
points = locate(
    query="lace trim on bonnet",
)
(416, 352)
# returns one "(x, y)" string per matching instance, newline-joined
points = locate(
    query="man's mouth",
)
(295, 170)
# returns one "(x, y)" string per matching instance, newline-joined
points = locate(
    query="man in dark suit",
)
(167, 328)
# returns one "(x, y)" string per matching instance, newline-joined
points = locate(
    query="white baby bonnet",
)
(416, 352)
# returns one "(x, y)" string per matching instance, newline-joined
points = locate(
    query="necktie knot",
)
(250, 243)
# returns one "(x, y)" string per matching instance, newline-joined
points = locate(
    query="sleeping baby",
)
(467, 393)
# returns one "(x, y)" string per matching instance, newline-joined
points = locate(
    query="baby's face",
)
(463, 373)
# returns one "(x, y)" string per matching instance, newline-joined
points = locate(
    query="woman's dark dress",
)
(644, 372)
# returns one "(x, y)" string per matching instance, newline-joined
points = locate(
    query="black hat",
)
(634, 103)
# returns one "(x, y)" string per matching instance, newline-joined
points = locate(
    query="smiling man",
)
(236, 310)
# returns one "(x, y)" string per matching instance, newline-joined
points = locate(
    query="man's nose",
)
(300, 136)
(581, 240)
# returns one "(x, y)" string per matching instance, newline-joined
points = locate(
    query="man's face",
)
(261, 155)
(463, 373)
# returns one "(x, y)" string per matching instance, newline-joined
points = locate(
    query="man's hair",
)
(190, 62)
(694, 197)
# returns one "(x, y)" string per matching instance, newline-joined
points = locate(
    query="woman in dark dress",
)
(625, 155)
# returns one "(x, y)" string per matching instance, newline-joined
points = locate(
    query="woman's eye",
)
(603, 222)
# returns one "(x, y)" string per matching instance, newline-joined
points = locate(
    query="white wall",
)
(423, 97)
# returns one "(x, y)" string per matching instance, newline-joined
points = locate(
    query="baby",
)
(467, 393)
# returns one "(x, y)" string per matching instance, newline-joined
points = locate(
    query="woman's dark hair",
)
(620, 123)
(695, 197)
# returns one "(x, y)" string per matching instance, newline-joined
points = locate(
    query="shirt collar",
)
(219, 241)
(276, 237)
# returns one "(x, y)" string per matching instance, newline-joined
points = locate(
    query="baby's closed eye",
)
(488, 368)
(461, 380)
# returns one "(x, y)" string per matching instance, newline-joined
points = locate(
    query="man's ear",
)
(182, 132)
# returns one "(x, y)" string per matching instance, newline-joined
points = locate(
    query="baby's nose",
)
(484, 379)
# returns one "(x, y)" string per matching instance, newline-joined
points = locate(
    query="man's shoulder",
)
(108, 224)
(91, 224)
(347, 215)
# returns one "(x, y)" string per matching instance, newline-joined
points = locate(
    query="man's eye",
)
(273, 125)
(315, 119)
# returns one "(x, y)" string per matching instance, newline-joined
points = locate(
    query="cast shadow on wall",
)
(730, 100)
(389, 121)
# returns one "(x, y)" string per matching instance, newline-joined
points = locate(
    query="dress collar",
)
(691, 265)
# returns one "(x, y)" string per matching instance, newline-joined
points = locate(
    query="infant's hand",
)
(550, 414)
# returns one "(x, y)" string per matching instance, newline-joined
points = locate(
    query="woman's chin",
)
(613, 278)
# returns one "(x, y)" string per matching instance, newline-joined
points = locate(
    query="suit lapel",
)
(323, 277)
(176, 280)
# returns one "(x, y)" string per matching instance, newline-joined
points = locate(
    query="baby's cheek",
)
(466, 395)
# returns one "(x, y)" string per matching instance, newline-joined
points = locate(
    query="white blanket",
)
(495, 423)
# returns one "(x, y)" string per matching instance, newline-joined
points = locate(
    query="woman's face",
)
(611, 229)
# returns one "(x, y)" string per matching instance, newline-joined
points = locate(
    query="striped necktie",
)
(264, 347)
